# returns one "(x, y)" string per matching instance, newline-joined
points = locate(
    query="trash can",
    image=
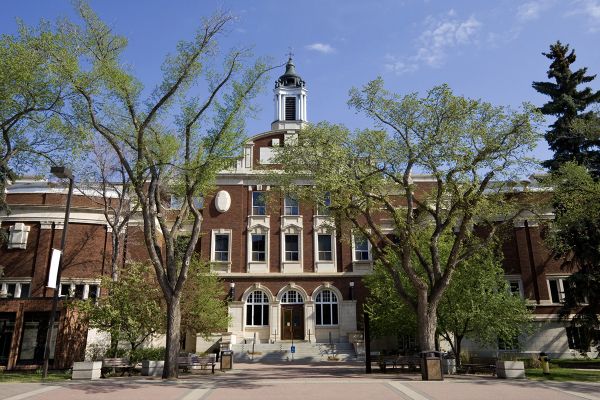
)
(226, 359)
(431, 366)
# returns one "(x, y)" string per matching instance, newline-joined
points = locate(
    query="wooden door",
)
(292, 322)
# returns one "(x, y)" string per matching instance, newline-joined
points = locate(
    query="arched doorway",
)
(292, 316)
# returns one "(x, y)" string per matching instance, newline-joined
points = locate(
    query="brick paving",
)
(290, 382)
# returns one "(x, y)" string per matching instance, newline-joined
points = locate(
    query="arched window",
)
(257, 309)
(327, 308)
(291, 297)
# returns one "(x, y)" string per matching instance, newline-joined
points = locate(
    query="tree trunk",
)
(457, 348)
(426, 322)
(173, 325)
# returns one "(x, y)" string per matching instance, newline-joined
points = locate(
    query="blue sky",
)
(482, 49)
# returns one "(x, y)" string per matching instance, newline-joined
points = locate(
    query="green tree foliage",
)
(203, 303)
(174, 140)
(34, 129)
(131, 309)
(476, 305)
(463, 145)
(575, 237)
(569, 104)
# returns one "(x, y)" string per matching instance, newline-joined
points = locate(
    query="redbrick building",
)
(288, 275)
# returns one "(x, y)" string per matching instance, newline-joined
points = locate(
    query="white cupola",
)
(290, 100)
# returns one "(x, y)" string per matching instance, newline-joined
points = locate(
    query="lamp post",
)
(59, 172)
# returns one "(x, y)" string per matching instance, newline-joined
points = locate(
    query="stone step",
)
(304, 352)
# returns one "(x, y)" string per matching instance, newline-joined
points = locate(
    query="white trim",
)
(369, 251)
(561, 289)
(86, 286)
(18, 282)
(226, 264)
(515, 278)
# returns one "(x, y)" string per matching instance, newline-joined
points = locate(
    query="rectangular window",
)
(25, 289)
(514, 286)
(259, 204)
(323, 206)
(221, 247)
(557, 291)
(361, 248)
(292, 247)
(65, 290)
(94, 292)
(15, 290)
(576, 338)
(11, 289)
(259, 247)
(290, 108)
(257, 314)
(327, 314)
(290, 206)
(324, 245)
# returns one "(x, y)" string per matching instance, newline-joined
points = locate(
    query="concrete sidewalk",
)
(285, 381)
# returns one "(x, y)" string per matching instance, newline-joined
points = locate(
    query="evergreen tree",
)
(569, 105)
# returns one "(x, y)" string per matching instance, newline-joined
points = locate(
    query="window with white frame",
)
(257, 309)
(292, 247)
(15, 290)
(259, 247)
(362, 248)
(325, 248)
(515, 286)
(326, 305)
(80, 291)
(556, 287)
(323, 206)
(221, 243)
(290, 206)
(292, 297)
(259, 203)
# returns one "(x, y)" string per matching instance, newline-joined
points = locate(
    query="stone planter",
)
(86, 370)
(152, 368)
(510, 369)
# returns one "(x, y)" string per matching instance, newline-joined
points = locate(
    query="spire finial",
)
(290, 54)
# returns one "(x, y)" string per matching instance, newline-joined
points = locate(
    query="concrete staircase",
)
(306, 353)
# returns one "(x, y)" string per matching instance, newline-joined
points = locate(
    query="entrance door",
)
(292, 322)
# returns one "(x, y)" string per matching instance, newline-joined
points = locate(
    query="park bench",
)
(480, 365)
(116, 364)
(194, 362)
(410, 362)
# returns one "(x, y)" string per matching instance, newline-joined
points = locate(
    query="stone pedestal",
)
(86, 370)
(152, 368)
(510, 369)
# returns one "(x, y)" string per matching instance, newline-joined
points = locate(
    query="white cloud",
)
(321, 48)
(433, 44)
(589, 9)
(532, 9)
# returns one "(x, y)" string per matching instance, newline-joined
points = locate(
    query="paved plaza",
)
(331, 382)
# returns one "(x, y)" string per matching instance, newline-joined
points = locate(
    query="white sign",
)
(56, 254)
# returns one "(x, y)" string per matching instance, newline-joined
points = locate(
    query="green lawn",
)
(33, 376)
(564, 375)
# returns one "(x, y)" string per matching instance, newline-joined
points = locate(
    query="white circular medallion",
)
(222, 201)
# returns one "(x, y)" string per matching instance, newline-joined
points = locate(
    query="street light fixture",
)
(63, 173)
